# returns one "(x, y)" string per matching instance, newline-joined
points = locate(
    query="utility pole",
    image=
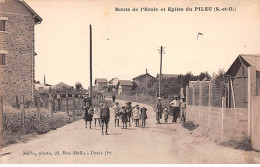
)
(146, 82)
(161, 51)
(90, 61)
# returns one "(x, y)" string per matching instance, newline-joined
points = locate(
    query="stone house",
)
(144, 80)
(100, 83)
(17, 63)
(125, 87)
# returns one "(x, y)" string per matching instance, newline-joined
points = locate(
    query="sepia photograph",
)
(129, 82)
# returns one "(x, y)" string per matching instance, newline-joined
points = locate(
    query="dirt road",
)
(163, 143)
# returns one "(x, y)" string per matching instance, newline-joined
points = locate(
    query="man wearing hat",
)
(159, 110)
(175, 107)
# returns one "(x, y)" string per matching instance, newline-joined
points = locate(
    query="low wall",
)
(226, 124)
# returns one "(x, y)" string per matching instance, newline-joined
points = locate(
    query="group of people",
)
(101, 114)
(129, 113)
(177, 108)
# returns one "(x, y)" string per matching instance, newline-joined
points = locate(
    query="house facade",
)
(100, 83)
(144, 80)
(17, 63)
(125, 87)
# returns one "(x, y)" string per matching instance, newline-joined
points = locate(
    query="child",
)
(165, 112)
(136, 115)
(96, 115)
(116, 113)
(88, 116)
(143, 115)
(124, 117)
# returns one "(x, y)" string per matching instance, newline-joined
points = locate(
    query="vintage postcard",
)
(129, 82)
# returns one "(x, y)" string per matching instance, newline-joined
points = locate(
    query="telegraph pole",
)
(161, 51)
(90, 61)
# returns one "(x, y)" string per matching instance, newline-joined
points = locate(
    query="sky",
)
(126, 43)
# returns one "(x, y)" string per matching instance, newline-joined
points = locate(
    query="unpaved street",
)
(164, 143)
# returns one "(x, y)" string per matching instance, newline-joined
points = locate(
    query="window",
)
(2, 25)
(2, 59)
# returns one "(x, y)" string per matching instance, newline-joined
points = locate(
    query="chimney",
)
(146, 71)
(44, 80)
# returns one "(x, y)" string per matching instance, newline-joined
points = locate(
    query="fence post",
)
(193, 95)
(187, 95)
(73, 104)
(50, 107)
(1, 116)
(23, 112)
(222, 116)
(67, 103)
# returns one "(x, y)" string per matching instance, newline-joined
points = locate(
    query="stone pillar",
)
(187, 95)
(251, 93)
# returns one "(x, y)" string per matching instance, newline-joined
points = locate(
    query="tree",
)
(78, 86)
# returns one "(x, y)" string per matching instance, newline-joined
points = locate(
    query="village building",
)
(144, 80)
(100, 84)
(230, 110)
(114, 81)
(112, 85)
(17, 62)
(125, 87)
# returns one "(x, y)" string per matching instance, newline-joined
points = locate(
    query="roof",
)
(143, 75)
(167, 75)
(61, 84)
(125, 82)
(246, 60)
(39, 85)
(100, 80)
(37, 18)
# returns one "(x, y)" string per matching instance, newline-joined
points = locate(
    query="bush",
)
(244, 144)
(36, 121)
(190, 125)
(58, 120)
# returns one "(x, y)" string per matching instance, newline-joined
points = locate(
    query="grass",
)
(190, 125)
(244, 144)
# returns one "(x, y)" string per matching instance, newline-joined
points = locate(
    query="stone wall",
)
(225, 125)
(18, 42)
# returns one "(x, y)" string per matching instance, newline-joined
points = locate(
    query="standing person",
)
(113, 98)
(96, 115)
(159, 110)
(129, 111)
(143, 115)
(183, 110)
(124, 116)
(105, 117)
(116, 113)
(88, 116)
(87, 101)
(136, 115)
(175, 108)
(165, 113)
